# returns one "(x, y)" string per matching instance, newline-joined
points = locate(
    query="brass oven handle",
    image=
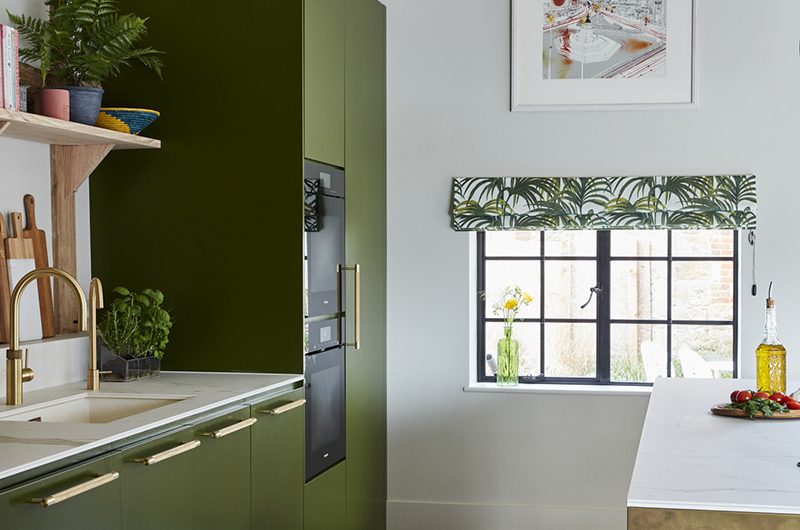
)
(357, 295)
(285, 408)
(230, 429)
(74, 491)
(169, 453)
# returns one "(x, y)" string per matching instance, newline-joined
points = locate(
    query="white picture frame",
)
(674, 87)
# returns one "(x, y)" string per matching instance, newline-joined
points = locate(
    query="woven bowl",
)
(131, 121)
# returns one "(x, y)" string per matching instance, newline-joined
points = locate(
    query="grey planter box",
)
(123, 370)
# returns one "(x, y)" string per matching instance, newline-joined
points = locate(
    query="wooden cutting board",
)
(44, 285)
(723, 410)
(5, 290)
(20, 259)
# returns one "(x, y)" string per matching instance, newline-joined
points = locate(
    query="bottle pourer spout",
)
(770, 300)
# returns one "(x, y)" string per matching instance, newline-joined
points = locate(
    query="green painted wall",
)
(214, 218)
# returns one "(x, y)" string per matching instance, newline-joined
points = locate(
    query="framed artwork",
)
(603, 54)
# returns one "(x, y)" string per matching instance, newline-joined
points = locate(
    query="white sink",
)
(90, 408)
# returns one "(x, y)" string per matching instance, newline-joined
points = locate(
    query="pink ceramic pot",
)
(55, 103)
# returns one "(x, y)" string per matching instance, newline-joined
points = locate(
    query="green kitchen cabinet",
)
(277, 462)
(220, 483)
(325, 500)
(96, 508)
(156, 477)
(365, 163)
(324, 83)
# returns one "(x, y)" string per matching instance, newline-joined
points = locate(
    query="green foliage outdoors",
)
(135, 325)
(85, 42)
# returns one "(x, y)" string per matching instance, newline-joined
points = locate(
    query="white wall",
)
(25, 168)
(498, 461)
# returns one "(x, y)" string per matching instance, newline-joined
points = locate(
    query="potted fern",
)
(133, 333)
(83, 44)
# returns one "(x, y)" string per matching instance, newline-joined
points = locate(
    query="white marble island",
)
(697, 470)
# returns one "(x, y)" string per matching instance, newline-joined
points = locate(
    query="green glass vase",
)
(507, 360)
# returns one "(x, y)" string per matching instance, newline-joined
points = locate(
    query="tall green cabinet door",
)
(278, 462)
(365, 164)
(324, 80)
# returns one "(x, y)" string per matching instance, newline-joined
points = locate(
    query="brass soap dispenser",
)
(770, 354)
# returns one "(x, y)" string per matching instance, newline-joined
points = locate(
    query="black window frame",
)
(603, 320)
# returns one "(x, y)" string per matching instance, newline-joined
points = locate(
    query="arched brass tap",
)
(15, 375)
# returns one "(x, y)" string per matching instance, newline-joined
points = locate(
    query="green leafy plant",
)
(136, 324)
(85, 42)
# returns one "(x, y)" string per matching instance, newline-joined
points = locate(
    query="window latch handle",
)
(594, 290)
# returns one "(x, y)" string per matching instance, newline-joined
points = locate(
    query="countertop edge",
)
(743, 508)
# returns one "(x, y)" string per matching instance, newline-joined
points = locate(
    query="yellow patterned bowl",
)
(131, 121)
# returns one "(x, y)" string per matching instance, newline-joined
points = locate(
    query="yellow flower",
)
(527, 298)
(511, 304)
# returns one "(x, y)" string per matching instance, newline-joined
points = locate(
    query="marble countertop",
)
(25, 445)
(690, 459)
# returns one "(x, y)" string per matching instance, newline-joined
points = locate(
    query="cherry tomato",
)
(743, 396)
(761, 395)
(792, 404)
(777, 397)
(733, 396)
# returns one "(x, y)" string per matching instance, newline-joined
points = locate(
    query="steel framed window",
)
(603, 320)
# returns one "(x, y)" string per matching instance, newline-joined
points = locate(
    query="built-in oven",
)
(325, 410)
(324, 316)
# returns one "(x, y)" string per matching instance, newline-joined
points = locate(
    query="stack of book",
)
(9, 74)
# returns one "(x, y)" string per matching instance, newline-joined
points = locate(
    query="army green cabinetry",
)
(365, 166)
(324, 81)
(278, 459)
(325, 500)
(84, 497)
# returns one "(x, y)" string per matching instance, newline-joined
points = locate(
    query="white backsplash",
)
(54, 362)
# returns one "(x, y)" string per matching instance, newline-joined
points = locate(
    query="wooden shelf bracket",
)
(70, 166)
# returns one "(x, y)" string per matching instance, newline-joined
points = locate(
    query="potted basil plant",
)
(133, 332)
(83, 44)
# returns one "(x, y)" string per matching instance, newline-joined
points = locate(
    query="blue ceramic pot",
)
(84, 104)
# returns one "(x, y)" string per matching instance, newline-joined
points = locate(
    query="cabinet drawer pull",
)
(285, 408)
(74, 491)
(230, 429)
(169, 453)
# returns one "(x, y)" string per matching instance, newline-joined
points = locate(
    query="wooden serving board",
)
(39, 239)
(20, 260)
(723, 409)
(5, 288)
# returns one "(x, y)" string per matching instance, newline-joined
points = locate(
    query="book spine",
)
(8, 67)
(3, 66)
(15, 35)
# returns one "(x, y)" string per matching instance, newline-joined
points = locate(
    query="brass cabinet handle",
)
(74, 491)
(357, 295)
(285, 408)
(230, 429)
(169, 453)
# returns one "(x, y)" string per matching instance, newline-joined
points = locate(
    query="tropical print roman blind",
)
(604, 203)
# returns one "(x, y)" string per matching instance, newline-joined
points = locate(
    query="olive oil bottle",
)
(770, 354)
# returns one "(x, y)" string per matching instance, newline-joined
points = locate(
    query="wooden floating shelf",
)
(52, 131)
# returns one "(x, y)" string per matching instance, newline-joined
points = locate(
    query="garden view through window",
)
(666, 304)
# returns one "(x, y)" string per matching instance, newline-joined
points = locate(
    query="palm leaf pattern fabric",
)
(604, 203)
(311, 217)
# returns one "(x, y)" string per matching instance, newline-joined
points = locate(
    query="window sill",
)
(579, 390)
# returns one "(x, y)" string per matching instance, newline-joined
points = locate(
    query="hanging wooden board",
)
(19, 256)
(723, 409)
(39, 239)
(5, 289)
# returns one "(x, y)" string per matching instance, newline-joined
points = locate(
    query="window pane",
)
(570, 350)
(639, 290)
(702, 351)
(650, 243)
(519, 243)
(705, 243)
(702, 290)
(638, 352)
(567, 287)
(570, 243)
(503, 274)
(528, 335)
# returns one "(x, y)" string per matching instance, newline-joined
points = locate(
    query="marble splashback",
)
(55, 362)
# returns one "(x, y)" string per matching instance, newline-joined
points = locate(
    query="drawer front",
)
(157, 482)
(278, 462)
(84, 497)
(221, 479)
